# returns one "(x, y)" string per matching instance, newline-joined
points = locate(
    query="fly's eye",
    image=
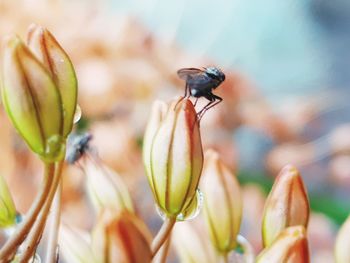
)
(213, 76)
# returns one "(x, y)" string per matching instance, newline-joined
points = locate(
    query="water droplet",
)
(193, 209)
(190, 212)
(77, 114)
(160, 212)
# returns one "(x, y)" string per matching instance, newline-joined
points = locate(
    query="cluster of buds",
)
(39, 91)
(118, 235)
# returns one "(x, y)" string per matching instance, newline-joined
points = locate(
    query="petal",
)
(56, 61)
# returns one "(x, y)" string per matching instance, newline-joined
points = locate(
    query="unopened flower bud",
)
(75, 245)
(191, 244)
(173, 155)
(286, 205)
(342, 251)
(32, 100)
(222, 203)
(105, 188)
(7, 207)
(121, 237)
(46, 48)
(290, 246)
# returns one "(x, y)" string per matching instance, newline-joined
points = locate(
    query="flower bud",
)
(191, 244)
(342, 252)
(56, 61)
(7, 207)
(121, 238)
(75, 245)
(287, 205)
(290, 246)
(222, 203)
(173, 155)
(31, 99)
(105, 188)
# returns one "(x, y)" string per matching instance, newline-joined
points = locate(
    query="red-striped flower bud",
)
(121, 238)
(287, 204)
(46, 48)
(32, 100)
(290, 246)
(173, 155)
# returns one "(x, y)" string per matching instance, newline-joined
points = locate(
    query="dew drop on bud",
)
(77, 114)
(190, 212)
(193, 209)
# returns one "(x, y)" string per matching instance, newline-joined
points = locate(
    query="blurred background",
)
(285, 95)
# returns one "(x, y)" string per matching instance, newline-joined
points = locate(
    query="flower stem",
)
(224, 258)
(163, 234)
(163, 252)
(38, 228)
(12, 244)
(54, 226)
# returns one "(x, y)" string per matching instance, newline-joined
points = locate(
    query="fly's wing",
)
(200, 81)
(186, 73)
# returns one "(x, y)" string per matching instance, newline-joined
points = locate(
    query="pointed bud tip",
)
(291, 170)
(32, 29)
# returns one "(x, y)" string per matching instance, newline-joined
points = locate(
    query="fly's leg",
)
(187, 90)
(195, 102)
(214, 100)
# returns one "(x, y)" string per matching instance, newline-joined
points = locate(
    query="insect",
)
(78, 145)
(201, 83)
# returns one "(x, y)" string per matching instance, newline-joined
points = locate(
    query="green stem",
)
(12, 244)
(163, 234)
(38, 228)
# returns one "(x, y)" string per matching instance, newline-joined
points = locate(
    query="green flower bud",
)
(31, 99)
(56, 61)
(290, 246)
(286, 205)
(7, 206)
(222, 203)
(173, 155)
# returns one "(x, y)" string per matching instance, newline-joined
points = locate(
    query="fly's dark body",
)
(201, 83)
(78, 144)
